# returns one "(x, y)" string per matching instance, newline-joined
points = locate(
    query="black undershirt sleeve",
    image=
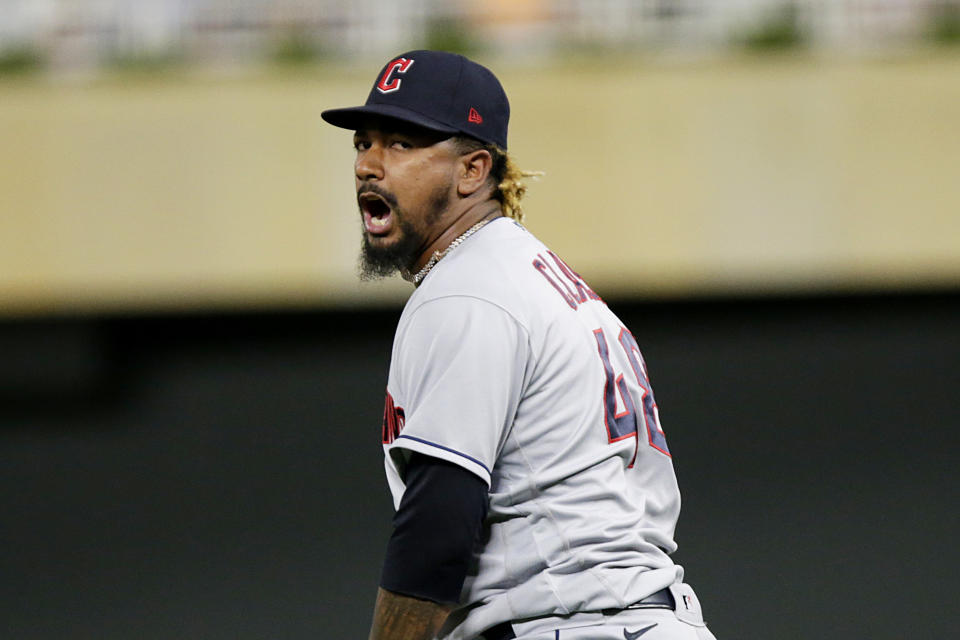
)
(435, 530)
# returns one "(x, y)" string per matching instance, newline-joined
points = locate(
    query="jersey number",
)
(625, 424)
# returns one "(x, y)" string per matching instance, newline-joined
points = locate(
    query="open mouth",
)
(377, 214)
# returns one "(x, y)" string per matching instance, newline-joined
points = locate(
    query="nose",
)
(369, 164)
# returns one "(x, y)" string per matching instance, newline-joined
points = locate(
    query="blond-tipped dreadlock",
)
(513, 187)
(509, 178)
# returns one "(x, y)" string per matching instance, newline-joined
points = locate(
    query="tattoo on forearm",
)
(399, 617)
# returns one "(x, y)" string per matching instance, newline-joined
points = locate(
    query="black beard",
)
(380, 262)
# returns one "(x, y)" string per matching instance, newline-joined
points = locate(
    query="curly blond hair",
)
(510, 180)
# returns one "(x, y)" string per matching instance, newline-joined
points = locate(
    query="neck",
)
(487, 210)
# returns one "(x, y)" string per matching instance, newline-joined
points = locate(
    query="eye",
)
(360, 145)
(400, 143)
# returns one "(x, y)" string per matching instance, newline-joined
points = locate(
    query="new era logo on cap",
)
(436, 90)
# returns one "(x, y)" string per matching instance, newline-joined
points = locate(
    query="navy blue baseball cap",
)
(441, 91)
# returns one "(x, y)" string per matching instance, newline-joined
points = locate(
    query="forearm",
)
(400, 617)
(428, 554)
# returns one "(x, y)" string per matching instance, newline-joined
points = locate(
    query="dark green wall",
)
(219, 476)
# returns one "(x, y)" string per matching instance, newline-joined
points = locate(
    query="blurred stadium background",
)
(767, 192)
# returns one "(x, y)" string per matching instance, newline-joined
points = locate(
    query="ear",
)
(474, 168)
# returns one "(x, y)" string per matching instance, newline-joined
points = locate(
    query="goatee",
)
(381, 261)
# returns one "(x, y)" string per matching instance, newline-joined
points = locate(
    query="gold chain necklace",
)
(438, 255)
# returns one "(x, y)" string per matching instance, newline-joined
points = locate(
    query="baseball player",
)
(534, 488)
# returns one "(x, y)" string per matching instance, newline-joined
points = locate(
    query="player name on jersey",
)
(580, 293)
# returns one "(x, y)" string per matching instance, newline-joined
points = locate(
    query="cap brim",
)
(354, 117)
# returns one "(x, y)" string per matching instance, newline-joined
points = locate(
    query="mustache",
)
(369, 187)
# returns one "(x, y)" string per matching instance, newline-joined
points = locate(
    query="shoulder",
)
(483, 259)
(494, 265)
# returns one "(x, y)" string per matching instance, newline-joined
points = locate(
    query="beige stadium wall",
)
(738, 176)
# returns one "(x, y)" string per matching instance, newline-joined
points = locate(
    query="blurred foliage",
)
(779, 31)
(945, 23)
(449, 34)
(586, 51)
(20, 60)
(145, 62)
(295, 48)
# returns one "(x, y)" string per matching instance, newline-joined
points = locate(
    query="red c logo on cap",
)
(400, 65)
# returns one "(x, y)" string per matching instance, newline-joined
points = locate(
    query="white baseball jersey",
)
(506, 363)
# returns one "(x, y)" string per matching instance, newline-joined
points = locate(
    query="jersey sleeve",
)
(434, 530)
(459, 366)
